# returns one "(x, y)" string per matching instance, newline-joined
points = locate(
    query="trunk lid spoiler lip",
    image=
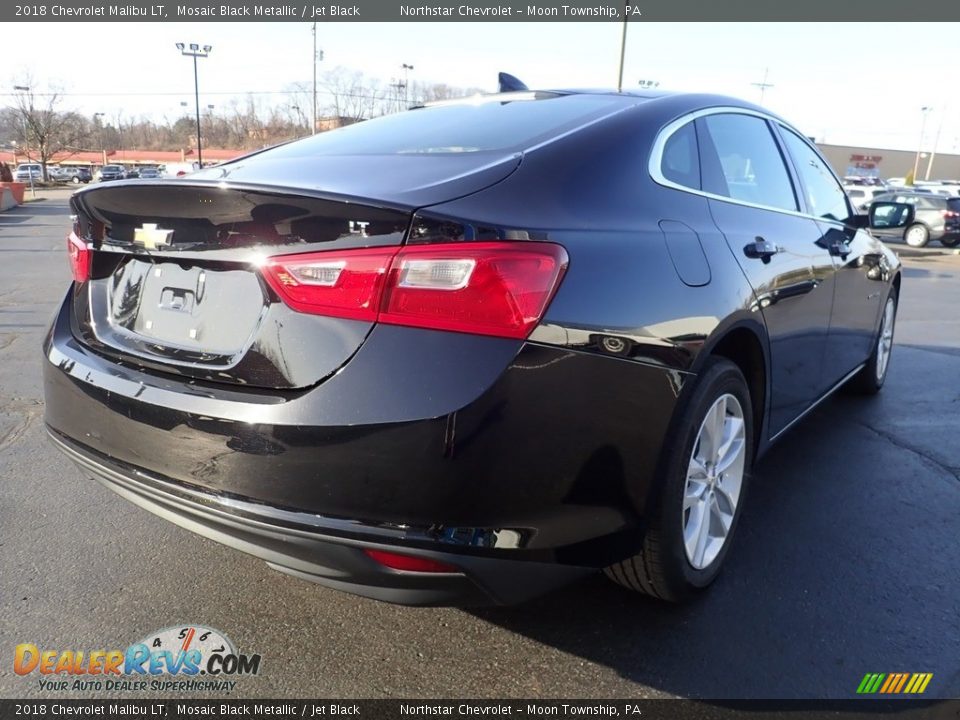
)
(295, 189)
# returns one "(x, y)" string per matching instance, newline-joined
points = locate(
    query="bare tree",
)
(430, 92)
(45, 129)
(36, 121)
(350, 95)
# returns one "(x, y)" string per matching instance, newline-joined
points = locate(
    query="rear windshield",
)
(954, 204)
(468, 127)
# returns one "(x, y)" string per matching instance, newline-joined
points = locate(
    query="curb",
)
(924, 253)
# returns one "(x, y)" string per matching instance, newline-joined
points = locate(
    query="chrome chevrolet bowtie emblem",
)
(151, 237)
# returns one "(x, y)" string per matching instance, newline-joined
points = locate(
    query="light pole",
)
(623, 48)
(300, 119)
(923, 126)
(193, 50)
(936, 142)
(406, 84)
(26, 139)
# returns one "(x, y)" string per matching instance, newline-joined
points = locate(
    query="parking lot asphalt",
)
(846, 560)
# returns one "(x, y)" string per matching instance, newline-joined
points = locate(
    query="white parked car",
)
(175, 170)
(26, 171)
(862, 195)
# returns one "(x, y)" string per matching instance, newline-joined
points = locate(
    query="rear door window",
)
(745, 163)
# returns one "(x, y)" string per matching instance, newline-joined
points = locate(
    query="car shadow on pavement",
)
(834, 573)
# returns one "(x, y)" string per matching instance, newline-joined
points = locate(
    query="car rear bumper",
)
(525, 466)
(328, 551)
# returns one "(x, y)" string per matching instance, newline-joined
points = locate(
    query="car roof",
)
(674, 104)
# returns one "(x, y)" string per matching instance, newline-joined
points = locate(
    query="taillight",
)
(79, 254)
(485, 288)
(409, 563)
(950, 213)
(347, 284)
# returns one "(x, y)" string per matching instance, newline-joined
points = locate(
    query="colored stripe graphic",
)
(870, 683)
(903, 681)
(918, 683)
(894, 683)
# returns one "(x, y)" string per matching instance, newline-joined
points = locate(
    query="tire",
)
(675, 562)
(950, 242)
(75, 180)
(870, 379)
(917, 235)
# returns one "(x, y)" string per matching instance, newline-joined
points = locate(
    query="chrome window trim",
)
(666, 132)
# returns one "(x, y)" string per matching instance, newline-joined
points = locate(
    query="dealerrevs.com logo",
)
(185, 658)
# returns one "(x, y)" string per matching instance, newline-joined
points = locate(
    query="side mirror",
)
(890, 215)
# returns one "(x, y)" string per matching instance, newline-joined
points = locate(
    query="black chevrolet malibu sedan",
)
(471, 352)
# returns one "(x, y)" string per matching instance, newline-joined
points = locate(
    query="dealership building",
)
(848, 160)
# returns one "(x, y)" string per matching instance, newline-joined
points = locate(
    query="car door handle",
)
(761, 249)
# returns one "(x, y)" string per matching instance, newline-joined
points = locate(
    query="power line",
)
(212, 92)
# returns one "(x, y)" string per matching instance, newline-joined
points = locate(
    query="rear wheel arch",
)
(744, 345)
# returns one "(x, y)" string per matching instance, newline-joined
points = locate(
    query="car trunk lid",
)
(177, 283)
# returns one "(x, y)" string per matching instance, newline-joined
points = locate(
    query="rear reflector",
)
(409, 563)
(485, 288)
(79, 255)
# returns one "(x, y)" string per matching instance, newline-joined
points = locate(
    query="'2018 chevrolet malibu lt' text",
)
(470, 352)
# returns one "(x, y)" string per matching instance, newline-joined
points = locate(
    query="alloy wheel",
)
(714, 481)
(885, 339)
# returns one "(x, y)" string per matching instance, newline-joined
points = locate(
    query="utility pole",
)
(763, 85)
(99, 124)
(317, 57)
(406, 85)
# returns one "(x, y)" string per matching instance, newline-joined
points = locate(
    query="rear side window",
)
(825, 198)
(681, 158)
(745, 163)
(467, 127)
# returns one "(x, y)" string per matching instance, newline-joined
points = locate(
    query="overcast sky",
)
(842, 83)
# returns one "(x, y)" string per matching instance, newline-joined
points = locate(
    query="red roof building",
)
(126, 157)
